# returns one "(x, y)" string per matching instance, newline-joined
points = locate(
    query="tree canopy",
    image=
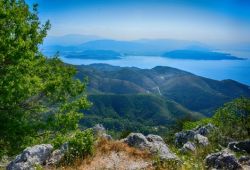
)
(39, 97)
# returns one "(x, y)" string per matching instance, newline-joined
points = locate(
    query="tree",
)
(234, 118)
(39, 97)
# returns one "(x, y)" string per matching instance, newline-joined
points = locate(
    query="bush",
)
(80, 145)
(232, 120)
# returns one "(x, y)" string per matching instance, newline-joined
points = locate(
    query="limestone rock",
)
(152, 143)
(205, 130)
(222, 160)
(241, 146)
(201, 139)
(244, 160)
(100, 131)
(137, 140)
(189, 146)
(58, 154)
(183, 137)
(30, 157)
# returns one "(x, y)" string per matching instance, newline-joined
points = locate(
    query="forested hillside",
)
(196, 93)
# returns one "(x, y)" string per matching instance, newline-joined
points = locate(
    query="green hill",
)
(142, 112)
(196, 93)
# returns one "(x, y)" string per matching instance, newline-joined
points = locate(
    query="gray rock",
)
(189, 146)
(222, 160)
(244, 160)
(106, 136)
(137, 140)
(58, 154)
(183, 137)
(154, 138)
(201, 139)
(152, 143)
(241, 146)
(30, 157)
(205, 130)
(100, 131)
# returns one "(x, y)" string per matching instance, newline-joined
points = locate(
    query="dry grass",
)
(113, 155)
(104, 146)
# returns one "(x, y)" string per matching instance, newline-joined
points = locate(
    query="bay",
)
(238, 70)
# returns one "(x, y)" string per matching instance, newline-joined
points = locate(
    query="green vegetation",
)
(80, 145)
(232, 119)
(135, 112)
(193, 92)
(234, 114)
(40, 99)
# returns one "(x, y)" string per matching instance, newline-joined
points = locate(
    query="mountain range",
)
(76, 45)
(150, 98)
(136, 47)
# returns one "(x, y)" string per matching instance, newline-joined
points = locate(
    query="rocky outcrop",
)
(222, 160)
(186, 139)
(241, 146)
(100, 131)
(183, 137)
(152, 143)
(189, 146)
(244, 160)
(201, 139)
(30, 157)
(204, 130)
(58, 154)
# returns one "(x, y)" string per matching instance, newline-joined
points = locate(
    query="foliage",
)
(191, 125)
(39, 97)
(233, 119)
(134, 112)
(80, 145)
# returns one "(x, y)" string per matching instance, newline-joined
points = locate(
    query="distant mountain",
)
(96, 54)
(69, 40)
(199, 55)
(196, 93)
(138, 47)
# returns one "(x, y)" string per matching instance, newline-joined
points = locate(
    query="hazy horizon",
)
(195, 20)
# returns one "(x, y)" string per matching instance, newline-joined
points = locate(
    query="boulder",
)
(201, 139)
(244, 160)
(222, 160)
(137, 140)
(205, 130)
(241, 146)
(100, 131)
(153, 143)
(58, 154)
(31, 157)
(189, 146)
(183, 137)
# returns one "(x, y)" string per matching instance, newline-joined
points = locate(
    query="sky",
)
(210, 21)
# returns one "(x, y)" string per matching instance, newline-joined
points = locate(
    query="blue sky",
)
(201, 20)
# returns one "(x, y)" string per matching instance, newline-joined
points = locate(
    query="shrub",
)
(233, 119)
(80, 145)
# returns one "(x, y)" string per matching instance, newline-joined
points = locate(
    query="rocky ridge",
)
(46, 156)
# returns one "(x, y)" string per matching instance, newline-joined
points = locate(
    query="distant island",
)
(96, 54)
(199, 55)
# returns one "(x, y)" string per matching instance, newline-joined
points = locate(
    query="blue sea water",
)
(238, 70)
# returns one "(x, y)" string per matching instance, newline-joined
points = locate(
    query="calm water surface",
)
(238, 70)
